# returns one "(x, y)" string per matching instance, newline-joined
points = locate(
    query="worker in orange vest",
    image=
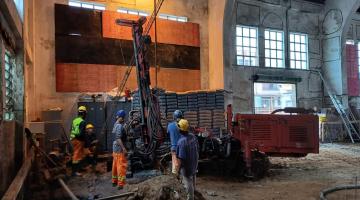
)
(77, 137)
(119, 151)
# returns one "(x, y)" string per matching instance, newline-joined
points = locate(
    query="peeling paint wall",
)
(289, 16)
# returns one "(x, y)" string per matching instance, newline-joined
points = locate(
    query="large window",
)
(173, 17)
(271, 96)
(89, 5)
(274, 48)
(9, 86)
(298, 51)
(247, 46)
(132, 12)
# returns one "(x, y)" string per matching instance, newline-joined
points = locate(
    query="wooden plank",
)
(72, 77)
(75, 49)
(73, 20)
(15, 187)
(169, 32)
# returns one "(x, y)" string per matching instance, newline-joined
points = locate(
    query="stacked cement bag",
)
(204, 109)
(218, 118)
(192, 117)
(192, 102)
(205, 118)
(182, 102)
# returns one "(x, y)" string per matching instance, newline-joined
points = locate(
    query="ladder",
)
(346, 117)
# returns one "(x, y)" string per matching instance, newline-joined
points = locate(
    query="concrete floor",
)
(294, 178)
(288, 178)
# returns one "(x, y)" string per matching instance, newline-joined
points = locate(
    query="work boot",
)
(75, 170)
(77, 174)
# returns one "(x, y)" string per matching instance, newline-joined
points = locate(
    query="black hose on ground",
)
(337, 188)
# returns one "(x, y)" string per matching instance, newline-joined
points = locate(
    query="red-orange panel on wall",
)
(352, 70)
(169, 32)
(73, 77)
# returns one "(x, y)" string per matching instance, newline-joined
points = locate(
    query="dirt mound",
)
(165, 187)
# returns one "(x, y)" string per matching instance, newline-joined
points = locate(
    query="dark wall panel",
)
(72, 20)
(76, 49)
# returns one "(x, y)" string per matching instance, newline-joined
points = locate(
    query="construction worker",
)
(174, 134)
(119, 151)
(187, 155)
(77, 137)
(90, 145)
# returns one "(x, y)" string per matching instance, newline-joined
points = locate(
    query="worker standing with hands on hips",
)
(187, 155)
(174, 134)
(119, 151)
(77, 137)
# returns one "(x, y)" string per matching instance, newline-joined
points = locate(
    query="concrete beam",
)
(8, 9)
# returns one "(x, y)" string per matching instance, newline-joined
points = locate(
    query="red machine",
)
(285, 135)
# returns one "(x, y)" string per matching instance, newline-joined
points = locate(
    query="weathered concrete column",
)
(337, 18)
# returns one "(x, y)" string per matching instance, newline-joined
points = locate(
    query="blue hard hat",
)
(177, 114)
(120, 113)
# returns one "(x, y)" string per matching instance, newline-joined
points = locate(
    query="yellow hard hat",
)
(82, 109)
(89, 126)
(183, 125)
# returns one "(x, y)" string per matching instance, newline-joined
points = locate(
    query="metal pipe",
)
(155, 54)
(228, 149)
(117, 196)
(337, 188)
(67, 189)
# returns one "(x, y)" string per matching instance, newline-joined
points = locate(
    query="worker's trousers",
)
(78, 153)
(189, 184)
(119, 168)
(174, 162)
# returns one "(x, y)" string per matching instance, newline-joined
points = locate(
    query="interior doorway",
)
(271, 96)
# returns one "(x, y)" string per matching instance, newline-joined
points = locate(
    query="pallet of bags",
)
(205, 118)
(220, 99)
(218, 118)
(182, 102)
(192, 99)
(202, 100)
(192, 117)
(211, 100)
(171, 102)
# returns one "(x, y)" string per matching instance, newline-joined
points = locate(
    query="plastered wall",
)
(40, 71)
(288, 16)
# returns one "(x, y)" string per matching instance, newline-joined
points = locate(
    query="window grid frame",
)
(276, 49)
(132, 11)
(95, 6)
(9, 74)
(173, 17)
(294, 51)
(250, 47)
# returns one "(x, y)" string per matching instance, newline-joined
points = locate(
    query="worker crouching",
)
(77, 136)
(91, 146)
(187, 155)
(119, 151)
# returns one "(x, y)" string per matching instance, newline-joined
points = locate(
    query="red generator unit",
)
(294, 133)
